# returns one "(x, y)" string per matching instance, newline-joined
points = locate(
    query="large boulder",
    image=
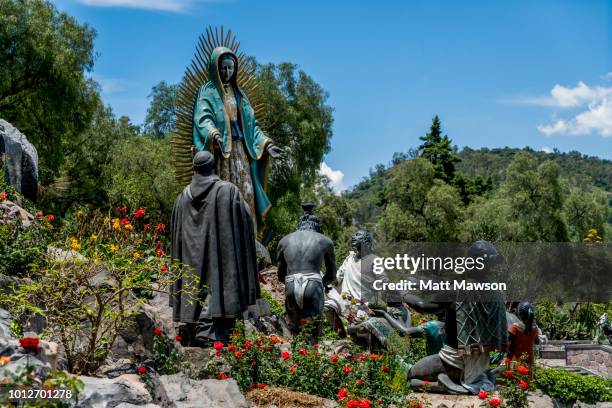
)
(181, 392)
(113, 392)
(20, 159)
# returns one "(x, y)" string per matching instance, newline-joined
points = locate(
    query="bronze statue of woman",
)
(224, 123)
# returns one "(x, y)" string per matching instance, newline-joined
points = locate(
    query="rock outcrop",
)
(20, 160)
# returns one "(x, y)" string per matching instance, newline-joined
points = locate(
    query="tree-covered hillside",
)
(436, 192)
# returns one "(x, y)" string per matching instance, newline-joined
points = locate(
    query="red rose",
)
(362, 357)
(254, 363)
(39, 213)
(261, 386)
(157, 332)
(425, 382)
(373, 356)
(483, 395)
(178, 338)
(342, 394)
(268, 348)
(524, 385)
(222, 376)
(507, 360)
(509, 374)
(334, 359)
(124, 209)
(292, 368)
(495, 402)
(365, 404)
(303, 351)
(522, 369)
(347, 369)
(142, 370)
(231, 347)
(160, 227)
(139, 213)
(218, 346)
(303, 321)
(159, 252)
(163, 267)
(50, 217)
(125, 221)
(30, 343)
(247, 345)
(238, 353)
(285, 355)
(385, 368)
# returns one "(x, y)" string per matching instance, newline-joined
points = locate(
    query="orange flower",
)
(4, 360)
(2, 196)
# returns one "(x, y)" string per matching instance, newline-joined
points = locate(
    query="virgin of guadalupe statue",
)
(224, 123)
(215, 114)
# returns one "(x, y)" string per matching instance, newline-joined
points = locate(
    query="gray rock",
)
(113, 392)
(21, 160)
(5, 320)
(184, 392)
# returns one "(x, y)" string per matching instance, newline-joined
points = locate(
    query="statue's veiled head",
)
(227, 67)
(361, 242)
(204, 163)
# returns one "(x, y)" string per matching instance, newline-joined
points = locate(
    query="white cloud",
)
(608, 76)
(335, 177)
(164, 5)
(597, 118)
(579, 95)
(546, 149)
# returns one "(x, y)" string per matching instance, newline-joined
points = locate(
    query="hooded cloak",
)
(212, 235)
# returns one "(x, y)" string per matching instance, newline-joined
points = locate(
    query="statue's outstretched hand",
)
(218, 142)
(275, 152)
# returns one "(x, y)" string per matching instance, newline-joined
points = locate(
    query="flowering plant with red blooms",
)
(139, 213)
(30, 344)
(218, 346)
(261, 386)
(178, 338)
(514, 386)
(142, 370)
(356, 378)
(157, 332)
(483, 395)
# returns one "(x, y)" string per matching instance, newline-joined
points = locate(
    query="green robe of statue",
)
(224, 109)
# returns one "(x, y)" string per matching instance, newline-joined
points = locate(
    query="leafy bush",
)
(569, 387)
(87, 297)
(259, 361)
(22, 248)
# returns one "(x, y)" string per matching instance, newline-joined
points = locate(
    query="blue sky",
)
(520, 73)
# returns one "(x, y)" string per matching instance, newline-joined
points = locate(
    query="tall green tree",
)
(161, 115)
(45, 56)
(536, 196)
(438, 150)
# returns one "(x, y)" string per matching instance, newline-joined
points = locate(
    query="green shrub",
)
(569, 387)
(275, 307)
(21, 247)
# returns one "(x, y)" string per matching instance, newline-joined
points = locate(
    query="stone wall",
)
(594, 357)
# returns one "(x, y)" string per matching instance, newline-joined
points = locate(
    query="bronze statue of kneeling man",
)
(300, 257)
(474, 326)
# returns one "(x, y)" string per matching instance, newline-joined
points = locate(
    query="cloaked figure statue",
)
(300, 257)
(213, 237)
